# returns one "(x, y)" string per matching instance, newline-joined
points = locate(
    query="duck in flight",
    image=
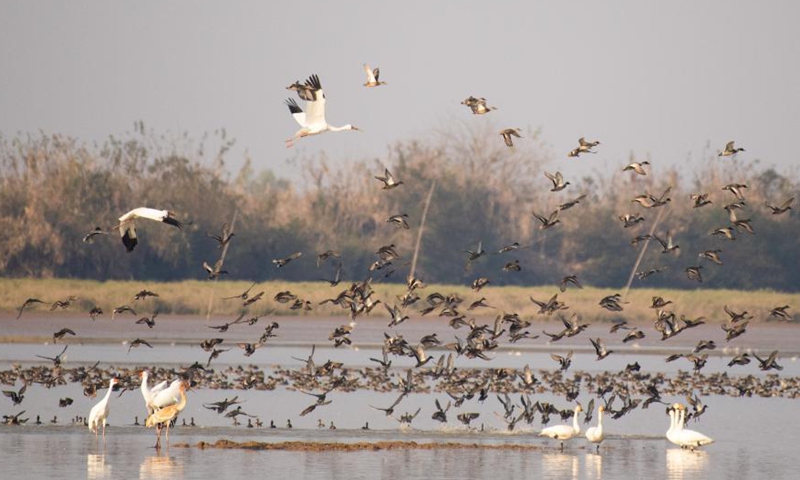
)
(372, 77)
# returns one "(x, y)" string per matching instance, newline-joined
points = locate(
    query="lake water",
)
(755, 437)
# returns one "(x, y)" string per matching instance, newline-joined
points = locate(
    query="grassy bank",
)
(192, 297)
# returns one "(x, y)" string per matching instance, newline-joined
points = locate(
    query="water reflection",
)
(686, 463)
(96, 466)
(160, 466)
(560, 465)
(594, 466)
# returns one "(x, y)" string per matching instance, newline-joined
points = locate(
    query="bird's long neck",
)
(671, 421)
(108, 393)
(679, 424)
(600, 419)
(182, 403)
(145, 387)
(575, 425)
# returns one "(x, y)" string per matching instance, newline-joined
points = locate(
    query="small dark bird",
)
(600, 349)
(57, 359)
(390, 410)
(224, 238)
(137, 343)
(242, 295)
(63, 303)
(508, 133)
(388, 180)
(399, 220)
(742, 359)
(712, 255)
(149, 321)
(27, 304)
(571, 203)
(558, 181)
(60, 334)
(215, 271)
(637, 167)
(209, 344)
(122, 309)
(64, 402)
(787, 205)
(667, 246)
(699, 199)
(693, 273)
(765, 364)
(322, 257)
(573, 279)
(730, 150)
(253, 299)
(94, 312)
(281, 262)
(547, 222)
(18, 396)
(634, 335)
(142, 295)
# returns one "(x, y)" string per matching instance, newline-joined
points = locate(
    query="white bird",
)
(595, 434)
(127, 223)
(372, 76)
(564, 432)
(673, 420)
(312, 121)
(149, 393)
(168, 396)
(99, 413)
(688, 438)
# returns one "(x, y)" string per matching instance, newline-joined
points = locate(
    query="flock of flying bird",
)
(164, 401)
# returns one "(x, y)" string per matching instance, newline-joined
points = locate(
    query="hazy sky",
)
(657, 78)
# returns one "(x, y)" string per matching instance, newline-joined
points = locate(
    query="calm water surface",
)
(755, 437)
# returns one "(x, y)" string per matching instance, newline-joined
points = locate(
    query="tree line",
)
(54, 189)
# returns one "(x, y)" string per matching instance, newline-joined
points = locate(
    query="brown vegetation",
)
(53, 190)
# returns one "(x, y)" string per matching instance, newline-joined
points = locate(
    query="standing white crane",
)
(312, 121)
(168, 396)
(99, 413)
(149, 393)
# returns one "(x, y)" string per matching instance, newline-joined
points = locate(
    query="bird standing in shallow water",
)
(564, 432)
(596, 434)
(98, 416)
(167, 414)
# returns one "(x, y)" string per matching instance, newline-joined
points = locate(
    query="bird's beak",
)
(356, 129)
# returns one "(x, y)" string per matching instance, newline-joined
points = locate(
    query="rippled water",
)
(755, 437)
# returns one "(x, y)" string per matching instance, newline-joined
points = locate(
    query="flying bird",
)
(730, 150)
(388, 180)
(508, 133)
(127, 224)
(373, 76)
(312, 121)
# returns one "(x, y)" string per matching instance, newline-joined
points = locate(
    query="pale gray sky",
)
(664, 78)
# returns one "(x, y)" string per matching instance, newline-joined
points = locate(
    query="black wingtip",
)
(293, 107)
(313, 82)
(173, 221)
(130, 243)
